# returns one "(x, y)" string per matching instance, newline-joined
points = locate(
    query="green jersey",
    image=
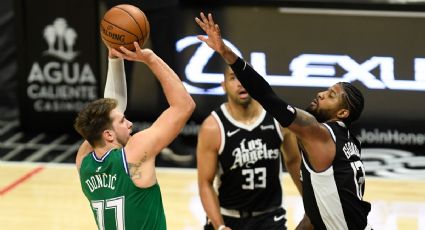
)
(115, 201)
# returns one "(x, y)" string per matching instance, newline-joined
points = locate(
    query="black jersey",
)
(333, 199)
(250, 166)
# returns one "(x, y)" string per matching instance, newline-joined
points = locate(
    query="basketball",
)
(122, 25)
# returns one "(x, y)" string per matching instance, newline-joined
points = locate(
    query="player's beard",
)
(245, 102)
(242, 102)
(320, 115)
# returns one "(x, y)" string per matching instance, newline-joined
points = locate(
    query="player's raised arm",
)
(145, 145)
(116, 84)
(303, 124)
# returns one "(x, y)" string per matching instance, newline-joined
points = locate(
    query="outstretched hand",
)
(214, 39)
(141, 55)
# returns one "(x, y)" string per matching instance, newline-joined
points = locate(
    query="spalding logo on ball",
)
(124, 24)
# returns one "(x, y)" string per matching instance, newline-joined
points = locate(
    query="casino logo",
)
(60, 82)
(60, 39)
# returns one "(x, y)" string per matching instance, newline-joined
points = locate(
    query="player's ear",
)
(343, 113)
(223, 86)
(108, 135)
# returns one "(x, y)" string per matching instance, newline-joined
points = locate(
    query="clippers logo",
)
(290, 108)
(307, 70)
(60, 40)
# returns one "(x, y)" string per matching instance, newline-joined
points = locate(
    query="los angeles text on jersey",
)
(101, 181)
(251, 151)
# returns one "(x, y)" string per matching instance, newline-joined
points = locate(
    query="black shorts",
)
(273, 220)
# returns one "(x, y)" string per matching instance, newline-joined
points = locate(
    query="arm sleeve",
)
(116, 85)
(261, 91)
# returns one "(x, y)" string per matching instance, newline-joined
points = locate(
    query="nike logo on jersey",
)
(264, 127)
(278, 218)
(98, 168)
(229, 134)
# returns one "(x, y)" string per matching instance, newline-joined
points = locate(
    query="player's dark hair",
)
(354, 101)
(94, 119)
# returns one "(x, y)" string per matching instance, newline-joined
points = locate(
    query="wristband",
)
(221, 227)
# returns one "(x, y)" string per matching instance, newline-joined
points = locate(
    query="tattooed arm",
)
(315, 140)
(144, 146)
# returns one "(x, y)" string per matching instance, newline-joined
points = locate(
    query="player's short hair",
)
(94, 119)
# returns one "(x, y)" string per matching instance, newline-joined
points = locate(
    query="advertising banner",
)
(58, 51)
(392, 149)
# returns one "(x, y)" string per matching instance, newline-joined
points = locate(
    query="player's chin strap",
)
(261, 91)
(116, 85)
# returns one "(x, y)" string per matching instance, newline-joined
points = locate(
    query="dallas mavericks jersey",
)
(115, 201)
(249, 173)
(333, 199)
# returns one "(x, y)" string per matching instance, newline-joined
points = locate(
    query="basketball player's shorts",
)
(272, 220)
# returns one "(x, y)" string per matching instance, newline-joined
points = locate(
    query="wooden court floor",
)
(48, 196)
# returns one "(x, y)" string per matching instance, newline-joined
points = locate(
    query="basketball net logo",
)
(60, 40)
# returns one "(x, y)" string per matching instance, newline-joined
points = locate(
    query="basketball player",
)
(239, 146)
(333, 176)
(117, 169)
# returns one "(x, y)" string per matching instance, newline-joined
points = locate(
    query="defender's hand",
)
(214, 39)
